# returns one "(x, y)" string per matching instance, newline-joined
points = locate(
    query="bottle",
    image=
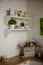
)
(39, 54)
(8, 12)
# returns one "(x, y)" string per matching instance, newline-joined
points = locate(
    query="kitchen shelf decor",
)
(22, 20)
(17, 20)
(12, 23)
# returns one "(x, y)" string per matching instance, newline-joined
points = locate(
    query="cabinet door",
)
(35, 63)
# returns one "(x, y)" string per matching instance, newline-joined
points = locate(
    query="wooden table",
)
(17, 60)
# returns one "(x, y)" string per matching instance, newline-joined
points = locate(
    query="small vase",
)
(22, 27)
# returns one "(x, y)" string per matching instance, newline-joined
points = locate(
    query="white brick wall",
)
(13, 4)
(35, 9)
(8, 46)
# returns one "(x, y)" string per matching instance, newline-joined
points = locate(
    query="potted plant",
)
(12, 23)
(22, 24)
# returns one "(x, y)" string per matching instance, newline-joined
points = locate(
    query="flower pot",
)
(12, 27)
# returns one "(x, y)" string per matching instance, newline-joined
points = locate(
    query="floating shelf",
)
(20, 30)
(18, 17)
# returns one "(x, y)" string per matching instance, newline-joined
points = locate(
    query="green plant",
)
(12, 21)
(22, 23)
(41, 26)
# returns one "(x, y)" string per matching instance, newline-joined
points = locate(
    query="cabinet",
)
(19, 20)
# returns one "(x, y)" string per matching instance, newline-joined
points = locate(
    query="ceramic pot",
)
(12, 27)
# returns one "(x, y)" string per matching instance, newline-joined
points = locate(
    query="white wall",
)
(35, 9)
(8, 45)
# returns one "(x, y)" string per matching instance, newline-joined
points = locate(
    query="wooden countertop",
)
(17, 60)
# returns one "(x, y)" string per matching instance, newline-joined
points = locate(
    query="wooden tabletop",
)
(17, 60)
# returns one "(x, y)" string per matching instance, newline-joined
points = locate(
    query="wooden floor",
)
(17, 60)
